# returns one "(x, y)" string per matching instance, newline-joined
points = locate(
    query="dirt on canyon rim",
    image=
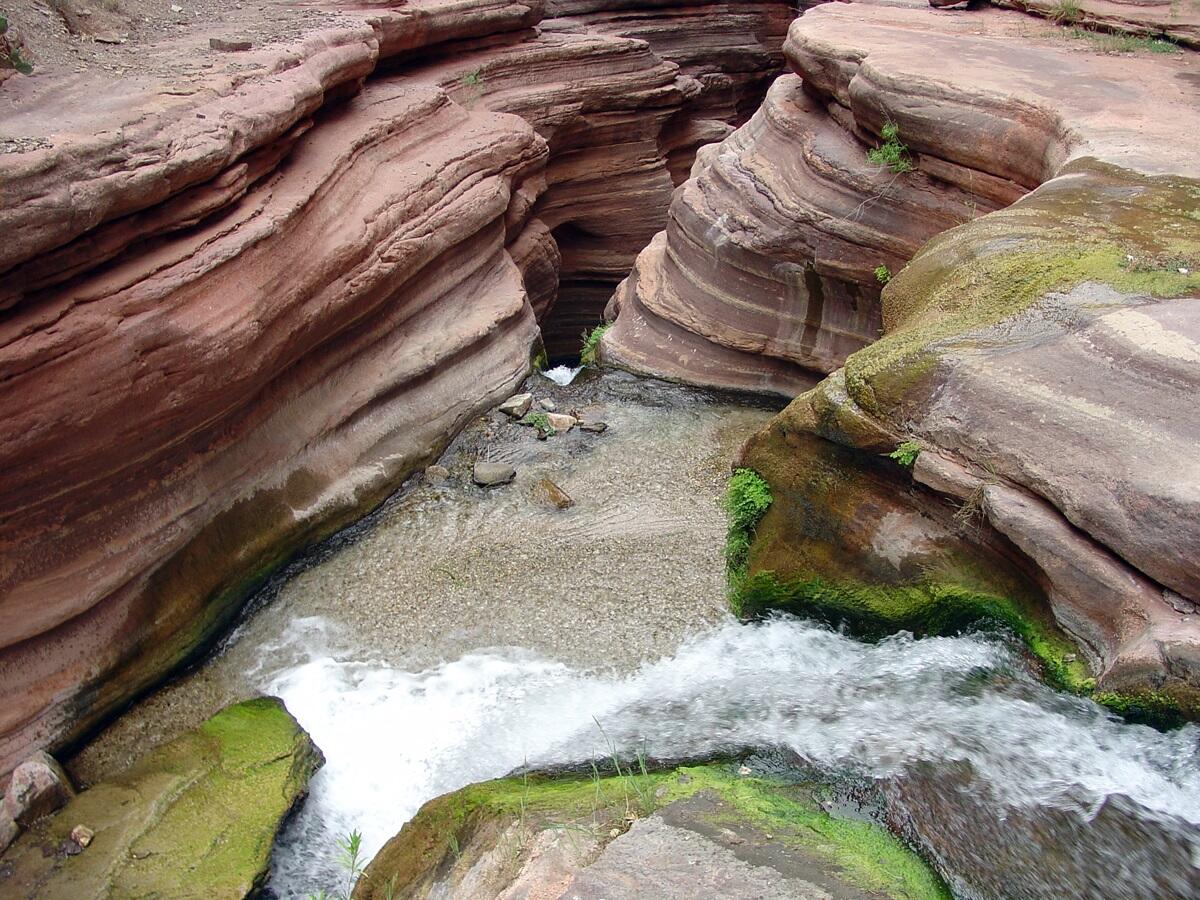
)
(623, 576)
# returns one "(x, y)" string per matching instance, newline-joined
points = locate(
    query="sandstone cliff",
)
(1037, 359)
(245, 294)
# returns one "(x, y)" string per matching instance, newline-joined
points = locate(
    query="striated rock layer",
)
(245, 294)
(1039, 357)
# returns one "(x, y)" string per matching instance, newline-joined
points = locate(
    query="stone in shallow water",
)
(517, 405)
(561, 422)
(487, 474)
(549, 493)
(193, 818)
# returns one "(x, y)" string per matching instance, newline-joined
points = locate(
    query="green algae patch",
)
(455, 831)
(866, 854)
(747, 499)
(196, 817)
(875, 611)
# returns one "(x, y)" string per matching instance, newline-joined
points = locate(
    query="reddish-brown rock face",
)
(1040, 355)
(245, 294)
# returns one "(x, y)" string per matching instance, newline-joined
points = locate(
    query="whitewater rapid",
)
(394, 739)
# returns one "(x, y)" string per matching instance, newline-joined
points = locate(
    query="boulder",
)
(516, 405)
(695, 831)
(196, 817)
(38, 787)
(549, 493)
(487, 474)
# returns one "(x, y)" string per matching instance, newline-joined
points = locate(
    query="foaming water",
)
(563, 375)
(394, 739)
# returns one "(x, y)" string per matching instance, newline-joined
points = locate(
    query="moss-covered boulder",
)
(194, 818)
(1039, 370)
(692, 831)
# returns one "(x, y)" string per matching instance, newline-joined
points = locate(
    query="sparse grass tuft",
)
(1102, 42)
(1066, 12)
(892, 153)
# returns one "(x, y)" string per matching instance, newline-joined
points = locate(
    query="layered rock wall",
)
(245, 294)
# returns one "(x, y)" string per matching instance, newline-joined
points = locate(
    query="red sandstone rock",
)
(1040, 354)
(243, 298)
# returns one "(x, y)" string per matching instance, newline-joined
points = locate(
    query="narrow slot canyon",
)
(548, 448)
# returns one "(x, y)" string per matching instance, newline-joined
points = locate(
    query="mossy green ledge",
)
(1045, 360)
(523, 832)
(195, 818)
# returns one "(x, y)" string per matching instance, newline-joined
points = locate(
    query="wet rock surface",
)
(697, 831)
(193, 818)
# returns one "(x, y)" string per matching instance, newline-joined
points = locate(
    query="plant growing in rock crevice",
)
(589, 353)
(906, 454)
(892, 153)
(883, 274)
(747, 500)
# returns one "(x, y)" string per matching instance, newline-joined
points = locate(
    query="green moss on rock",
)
(196, 817)
(1103, 225)
(480, 816)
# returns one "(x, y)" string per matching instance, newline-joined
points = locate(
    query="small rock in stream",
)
(549, 493)
(547, 404)
(561, 422)
(517, 405)
(594, 427)
(82, 835)
(436, 475)
(487, 474)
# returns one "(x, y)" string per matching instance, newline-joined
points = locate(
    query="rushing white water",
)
(562, 375)
(395, 739)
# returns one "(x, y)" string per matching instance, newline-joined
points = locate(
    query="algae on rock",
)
(527, 830)
(194, 818)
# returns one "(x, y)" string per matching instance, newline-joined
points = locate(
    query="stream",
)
(460, 633)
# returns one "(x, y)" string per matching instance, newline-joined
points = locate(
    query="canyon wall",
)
(245, 294)
(1034, 347)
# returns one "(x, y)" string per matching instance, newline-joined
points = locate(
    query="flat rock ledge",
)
(195, 818)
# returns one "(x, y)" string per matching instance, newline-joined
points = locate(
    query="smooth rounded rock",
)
(488, 474)
(38, 787)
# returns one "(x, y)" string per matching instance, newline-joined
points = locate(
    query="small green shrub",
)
(892, 153)
(10, 56)
(591, 345)
(539, 421)
(883, 274)
(474, 78)
(906, 454)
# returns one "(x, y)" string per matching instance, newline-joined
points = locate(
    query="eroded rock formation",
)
(245, 294)
(1040, 356)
